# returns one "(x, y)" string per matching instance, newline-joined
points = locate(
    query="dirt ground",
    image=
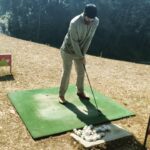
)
(39, 66)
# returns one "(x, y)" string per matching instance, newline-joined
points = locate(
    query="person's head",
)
(90, 12)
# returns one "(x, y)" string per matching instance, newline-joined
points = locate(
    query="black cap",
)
(90, 10)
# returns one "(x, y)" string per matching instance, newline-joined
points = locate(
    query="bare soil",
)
(39, 66)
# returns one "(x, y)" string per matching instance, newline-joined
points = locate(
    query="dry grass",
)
(39, 66)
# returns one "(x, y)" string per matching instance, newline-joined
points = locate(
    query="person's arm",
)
(89, 39)
(74, 40)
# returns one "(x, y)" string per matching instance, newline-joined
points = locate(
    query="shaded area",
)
(126, 143)
(7, 77)
(143, 62)
(91, 114)
(123, 33)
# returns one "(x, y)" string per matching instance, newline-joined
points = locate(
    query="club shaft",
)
(90, 87)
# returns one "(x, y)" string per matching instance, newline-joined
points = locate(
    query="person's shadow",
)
(7, 77)
(90, 115)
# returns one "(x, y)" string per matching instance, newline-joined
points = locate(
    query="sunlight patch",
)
(45, 110)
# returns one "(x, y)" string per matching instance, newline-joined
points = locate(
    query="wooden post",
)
(147, 132)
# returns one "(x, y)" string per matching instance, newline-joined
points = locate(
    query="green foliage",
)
(4, 21)
(123, 33)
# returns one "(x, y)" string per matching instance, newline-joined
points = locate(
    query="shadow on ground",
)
(91, 114)
(126, 143)
(7, 77)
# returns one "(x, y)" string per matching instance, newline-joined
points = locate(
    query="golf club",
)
(91, 88)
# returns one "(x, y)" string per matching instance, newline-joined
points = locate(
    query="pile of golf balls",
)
(91, 133)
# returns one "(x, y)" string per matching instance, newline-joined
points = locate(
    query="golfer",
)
(75, 45)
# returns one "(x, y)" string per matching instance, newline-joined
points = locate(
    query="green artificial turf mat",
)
(43, 115)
